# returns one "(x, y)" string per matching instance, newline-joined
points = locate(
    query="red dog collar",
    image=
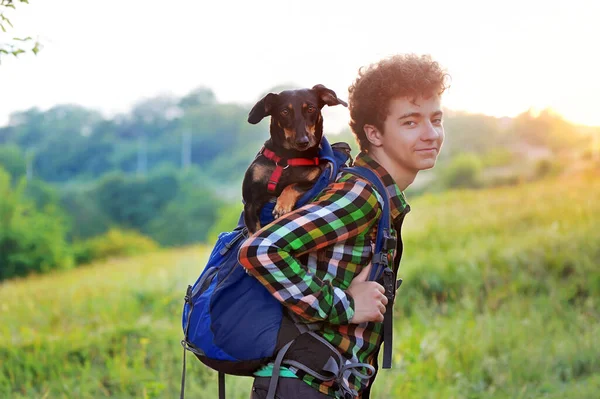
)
(276, 175)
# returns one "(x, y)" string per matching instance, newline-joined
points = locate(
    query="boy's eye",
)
(409, 123)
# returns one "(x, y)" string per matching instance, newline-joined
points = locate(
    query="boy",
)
(316, 259)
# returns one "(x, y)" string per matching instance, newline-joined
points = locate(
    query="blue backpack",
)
(235, 326)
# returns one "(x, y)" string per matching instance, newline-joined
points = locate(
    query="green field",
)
(501, 299)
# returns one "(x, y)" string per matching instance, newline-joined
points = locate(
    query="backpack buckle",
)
(380, 258)
(389, 241)
(389, 283)
(398, 284)
(188, 295)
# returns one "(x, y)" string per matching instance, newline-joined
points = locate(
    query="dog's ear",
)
(327, 96)
(262, 108)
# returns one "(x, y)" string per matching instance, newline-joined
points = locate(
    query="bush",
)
(464, 171)
(85, 215)
(30, 241)
(41, 193)
(13, 161)
(114, 243)
(227, 219)
(512, 179)
(547, 167)
(498, 157)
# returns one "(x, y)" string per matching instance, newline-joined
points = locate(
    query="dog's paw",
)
(281, 209)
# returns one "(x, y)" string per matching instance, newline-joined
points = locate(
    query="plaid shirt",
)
(308, 258)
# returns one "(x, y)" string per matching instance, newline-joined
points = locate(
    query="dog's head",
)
(296, 121)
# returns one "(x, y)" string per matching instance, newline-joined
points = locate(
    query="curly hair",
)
(403, 75)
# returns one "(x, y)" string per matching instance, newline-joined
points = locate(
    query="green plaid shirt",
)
(308, 258)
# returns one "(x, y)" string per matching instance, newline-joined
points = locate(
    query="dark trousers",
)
(287, 388)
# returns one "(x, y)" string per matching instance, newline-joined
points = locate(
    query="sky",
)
(504, 57)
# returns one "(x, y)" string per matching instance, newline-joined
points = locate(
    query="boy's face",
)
(413, 132)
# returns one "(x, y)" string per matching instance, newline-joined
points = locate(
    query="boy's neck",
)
(402, 176)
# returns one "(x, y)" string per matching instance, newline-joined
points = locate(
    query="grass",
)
(501, 300)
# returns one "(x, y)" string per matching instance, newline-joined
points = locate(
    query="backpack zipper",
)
(242, 234)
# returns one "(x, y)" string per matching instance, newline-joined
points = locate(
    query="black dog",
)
(288, 164)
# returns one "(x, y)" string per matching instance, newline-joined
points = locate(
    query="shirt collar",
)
(398, 201)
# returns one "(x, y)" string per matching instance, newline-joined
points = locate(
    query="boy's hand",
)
(369, 298)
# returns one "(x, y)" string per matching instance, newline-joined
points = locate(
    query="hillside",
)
(500, 300)
(170, 160)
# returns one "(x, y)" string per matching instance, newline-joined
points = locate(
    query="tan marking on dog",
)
(290, 106)
(311, 129)
(286, 201)
(304, 105)
(260, 173)
(289, 138)
(313, 174)
(289, 133)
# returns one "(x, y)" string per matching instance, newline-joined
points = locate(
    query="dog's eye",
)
(310, 109)
(284, 112)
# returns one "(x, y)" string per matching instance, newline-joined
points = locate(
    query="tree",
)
(198, 97)
(14, 46)
(132, 202)
(186, 219)
(547, 129)
(474, 133)
(12, 160)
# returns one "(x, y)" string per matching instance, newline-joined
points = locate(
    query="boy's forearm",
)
(299, 290)
(346, 210)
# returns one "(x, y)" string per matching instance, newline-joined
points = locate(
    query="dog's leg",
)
(287, 199)
(251, 218)
(251, 193)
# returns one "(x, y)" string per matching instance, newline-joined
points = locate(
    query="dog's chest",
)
(300, 174)
(267, 172)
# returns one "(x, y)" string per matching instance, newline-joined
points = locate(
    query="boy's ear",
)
(262, 108)
(373, 135)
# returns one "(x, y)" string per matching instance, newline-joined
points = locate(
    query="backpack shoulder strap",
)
(385, 240)
(381, 263)
(332, 160)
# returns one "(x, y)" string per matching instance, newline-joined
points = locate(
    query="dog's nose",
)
(302, 142)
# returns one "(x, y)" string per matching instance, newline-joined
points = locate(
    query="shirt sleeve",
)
(344, 210)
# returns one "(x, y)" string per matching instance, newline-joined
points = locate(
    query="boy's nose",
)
(431, 132)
